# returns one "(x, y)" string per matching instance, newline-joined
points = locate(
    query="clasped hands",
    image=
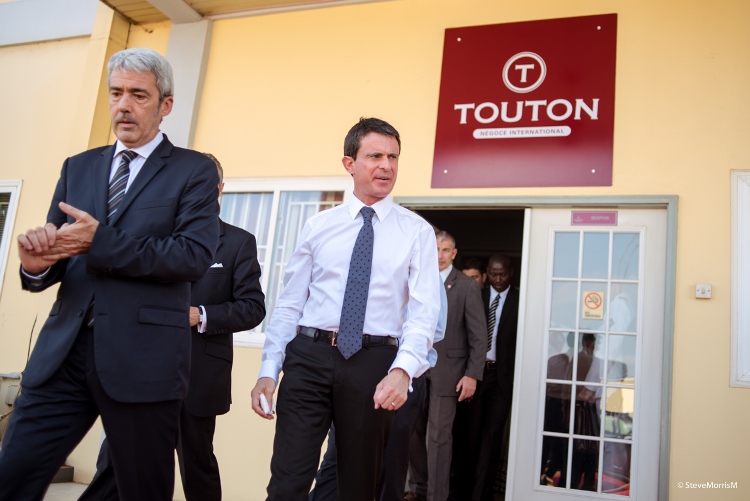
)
(41, 247)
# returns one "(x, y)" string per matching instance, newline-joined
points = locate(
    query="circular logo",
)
(523, 68)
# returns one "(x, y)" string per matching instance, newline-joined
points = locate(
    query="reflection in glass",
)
(593, 305)
(623, 308)
(616, 469)
(589, 363)
(566, 255)
(595, 255)
(585, 465)
(625, 254)
(619, 409)
(621, 359)
(563, 314)
(554, 461)
(560, 355)
(557, 408)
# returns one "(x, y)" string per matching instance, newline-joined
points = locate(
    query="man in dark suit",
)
(130, 226)
(227, 300)
(490, 407)
(460, 364)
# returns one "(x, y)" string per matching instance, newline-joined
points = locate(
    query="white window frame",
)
(740, 376)
(13, 187)
(276, 185)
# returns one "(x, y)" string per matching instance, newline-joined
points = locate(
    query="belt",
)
(330, 337)
(489, 365)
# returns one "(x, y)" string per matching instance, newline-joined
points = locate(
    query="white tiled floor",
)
(64, 492)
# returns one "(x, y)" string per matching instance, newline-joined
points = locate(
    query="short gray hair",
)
(144, 61)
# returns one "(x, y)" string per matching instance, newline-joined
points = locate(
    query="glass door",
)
(587, 400)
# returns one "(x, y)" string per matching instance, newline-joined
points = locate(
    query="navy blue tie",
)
(352, 322)
(119, 183)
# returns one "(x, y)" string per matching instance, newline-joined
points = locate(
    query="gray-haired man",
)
(130, 227)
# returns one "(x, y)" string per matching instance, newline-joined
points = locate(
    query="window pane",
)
(554, 461)
(557, 408)
(585, 466)
(563, 305)
(623, 313)
(252, 212)
(625, 255)
(621, 359)
(593, 305)
(616, 469)
(620, 409)
(595, 255)
(295, 208)
(589, 368)
(566, 255)
(559, 362)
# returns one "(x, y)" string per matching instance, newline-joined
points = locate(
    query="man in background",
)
(474, 269)
(228, 299)
(460, 364)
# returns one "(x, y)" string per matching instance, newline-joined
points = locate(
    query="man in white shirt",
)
(322, 381)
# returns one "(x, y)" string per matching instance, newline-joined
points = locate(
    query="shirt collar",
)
(494, 293)
(144, 150)
(444, 274)
(381, 208)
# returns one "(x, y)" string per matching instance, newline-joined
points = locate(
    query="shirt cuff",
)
(269, 368)
(204, 323)
(35, 279)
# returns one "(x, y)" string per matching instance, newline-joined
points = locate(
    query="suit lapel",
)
(101, 183)
(222, 227)
(450, 282)
(154, 164)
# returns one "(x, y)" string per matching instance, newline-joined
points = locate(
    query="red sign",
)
(527, 104)
(593, 218)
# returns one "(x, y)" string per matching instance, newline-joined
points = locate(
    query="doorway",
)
(627, 454)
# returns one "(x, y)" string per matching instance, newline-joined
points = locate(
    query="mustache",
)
(125, 117)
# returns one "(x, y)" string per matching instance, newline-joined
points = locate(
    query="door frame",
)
(667, 202)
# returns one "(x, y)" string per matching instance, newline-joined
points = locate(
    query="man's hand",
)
(32, 246)
(467, 386)
(266, 386)
(392, 391)
(195, 316)
(73, 239)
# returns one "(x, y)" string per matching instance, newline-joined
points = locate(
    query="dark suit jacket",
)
(234, 301)
(462, 350)
(139, 268)
(506, 339)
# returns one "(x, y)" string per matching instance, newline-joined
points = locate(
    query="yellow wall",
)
(281, 91)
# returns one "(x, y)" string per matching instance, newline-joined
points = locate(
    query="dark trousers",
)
(488, 413)
(199, 469)
(418, 469)
(395, 459)
(319, 386)
(49, 421)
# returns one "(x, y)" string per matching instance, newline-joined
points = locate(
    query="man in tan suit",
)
(460, 364)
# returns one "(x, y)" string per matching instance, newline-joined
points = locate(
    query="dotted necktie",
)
(119, 183)
(491, 321)
(353, 310)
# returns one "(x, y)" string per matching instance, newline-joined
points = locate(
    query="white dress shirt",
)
(135, 164)
(403, 272)
(492, 353)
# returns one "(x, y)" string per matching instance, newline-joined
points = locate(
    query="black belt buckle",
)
(489, 365)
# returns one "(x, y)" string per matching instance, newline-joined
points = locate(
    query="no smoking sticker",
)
(592, 305)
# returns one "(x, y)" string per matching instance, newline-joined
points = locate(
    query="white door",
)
(587, 397)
